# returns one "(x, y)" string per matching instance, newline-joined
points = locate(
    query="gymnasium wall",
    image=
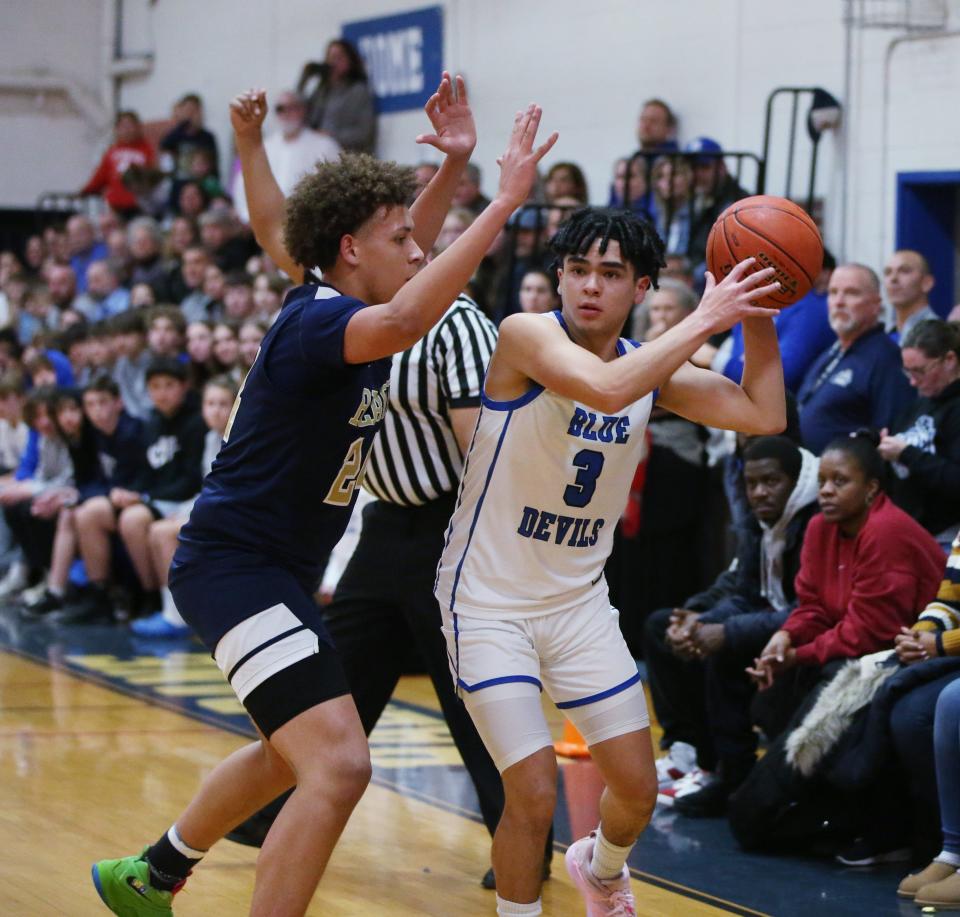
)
(589, 65)
(53, 109)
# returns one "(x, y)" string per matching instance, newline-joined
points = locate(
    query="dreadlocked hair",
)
(640, 246)
(335, 200)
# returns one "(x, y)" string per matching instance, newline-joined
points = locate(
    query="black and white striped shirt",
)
(415, 457)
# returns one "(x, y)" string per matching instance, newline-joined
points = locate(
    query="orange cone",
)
(572, 744)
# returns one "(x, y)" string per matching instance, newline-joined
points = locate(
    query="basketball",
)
(778, 234)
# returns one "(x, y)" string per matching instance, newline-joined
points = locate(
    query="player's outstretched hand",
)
(732, 300)
(448, 109)
(247, 112)
(518, 164)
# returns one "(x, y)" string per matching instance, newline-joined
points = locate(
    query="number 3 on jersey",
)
(580, 492)
(351, 471)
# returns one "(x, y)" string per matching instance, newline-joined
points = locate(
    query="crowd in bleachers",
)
(124, 339)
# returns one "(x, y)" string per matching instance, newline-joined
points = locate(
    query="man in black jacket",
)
(696, 655)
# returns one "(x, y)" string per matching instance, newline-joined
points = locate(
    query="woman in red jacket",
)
(866, 568)
(129, 149)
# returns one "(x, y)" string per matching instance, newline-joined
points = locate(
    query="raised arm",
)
(382, 330)
(265, 200)
(756, 406)
(535, 348)
(454, 135)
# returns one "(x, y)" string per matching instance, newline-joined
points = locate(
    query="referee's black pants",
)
(385, 600)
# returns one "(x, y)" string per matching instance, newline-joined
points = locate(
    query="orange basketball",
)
(778, 234)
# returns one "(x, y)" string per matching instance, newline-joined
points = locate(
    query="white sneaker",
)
(693, 782)
(16, 579)
(33, 595)
(680, 759)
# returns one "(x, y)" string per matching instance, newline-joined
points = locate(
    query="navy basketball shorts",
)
(263, 629)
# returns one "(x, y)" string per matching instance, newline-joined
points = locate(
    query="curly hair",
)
(336, 199)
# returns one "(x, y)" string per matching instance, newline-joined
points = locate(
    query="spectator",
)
(129, 150)
(672, 183)
(52, 471)
(84, 248)
(538, 292)
(142, 296)
(342, 104)
(238, 296)
(192, 200)
(925, 447)
(173, 437)
(292, 150)
(455, 224)
(62, 286)
(866, 569)
(109, 453)
(183, 234)
(146, 249)
(696, 654)
(34, 254)
(74, 343)
(630, 189)
(907, 282)
(226, 350)
(104, 297)
(13, 430)
(13, 296)
(424, 173)
(186, 136)
(803, 332)
(133, 357)
(468, 194)
(37, 314)
(192, 299)
(251, 334)
(656, 128)
(118, 250)
(218, 232)
(566, 179)
(219, 395)
(268, 291)
(714, 189)
(166, 329)
(857, 382)
(101, 355)
(200, 352)
(213, 288)
(936, 634)
(666, 306)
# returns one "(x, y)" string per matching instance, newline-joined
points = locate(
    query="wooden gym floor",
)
(104, 738)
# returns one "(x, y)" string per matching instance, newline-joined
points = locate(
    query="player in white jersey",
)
(520, 583)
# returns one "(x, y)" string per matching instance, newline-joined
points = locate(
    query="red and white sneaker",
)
(680, 759)
(693, 782)
(604, 897)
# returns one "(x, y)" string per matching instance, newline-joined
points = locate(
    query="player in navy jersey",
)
(520, 584)
(282, 488)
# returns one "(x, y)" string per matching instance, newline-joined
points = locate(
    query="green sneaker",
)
(124, 885)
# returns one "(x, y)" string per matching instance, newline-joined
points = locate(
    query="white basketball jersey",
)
(543, 487)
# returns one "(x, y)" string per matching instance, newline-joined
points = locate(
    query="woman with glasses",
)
(925, 449)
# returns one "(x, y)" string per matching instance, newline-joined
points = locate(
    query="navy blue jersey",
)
(285, 480)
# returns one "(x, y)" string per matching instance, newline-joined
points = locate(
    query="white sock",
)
(170, 613)
(951, 859)
(57, 591)
(513, 909)
(608, 859)
(182, 847)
